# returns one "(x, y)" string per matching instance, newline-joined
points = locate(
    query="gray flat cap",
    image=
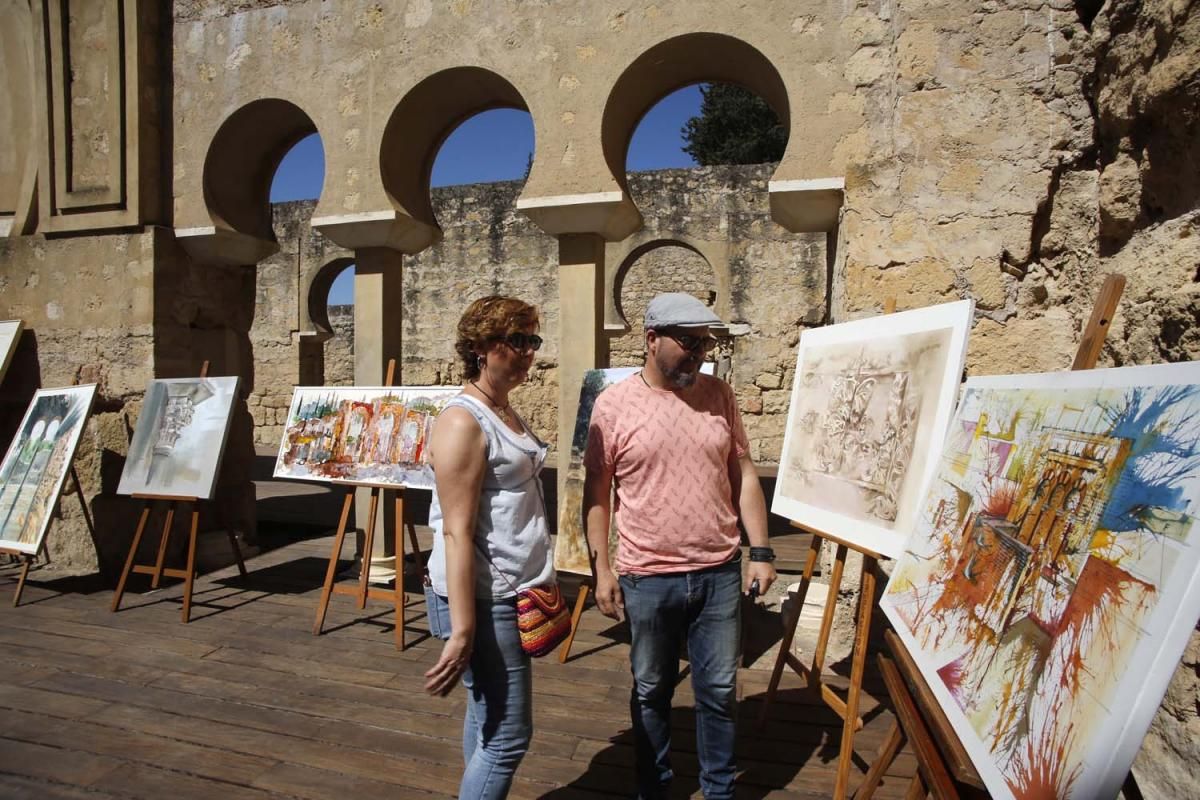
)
(679, 310)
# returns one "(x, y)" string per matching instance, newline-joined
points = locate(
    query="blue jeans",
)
(498, 723)
(703, 609)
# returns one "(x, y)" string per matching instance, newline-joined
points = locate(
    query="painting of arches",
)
(180, 437)
(37, 462)
(361, 434)
(869, 410)
(10, 333)
(1053, 576)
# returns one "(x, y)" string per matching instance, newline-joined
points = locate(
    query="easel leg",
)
(331, 571)
(368, 546)
(28, 561)
(866, 602)
(580, 603)
(233, 543)
(785, 644)
(401, 598)
(190, 580)
(87, 514)
(883, 760)
(162, 547)
(916, 789)
(137, 538)
(835, 586)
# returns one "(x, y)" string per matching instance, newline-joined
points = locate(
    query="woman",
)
(490, 541)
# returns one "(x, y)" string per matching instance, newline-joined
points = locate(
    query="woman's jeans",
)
(499, 719)
(703, 609)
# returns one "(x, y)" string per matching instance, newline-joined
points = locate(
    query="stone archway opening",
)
(660, 266)
(677, 63)
(422, 122)
(331, 308)
(242, 160)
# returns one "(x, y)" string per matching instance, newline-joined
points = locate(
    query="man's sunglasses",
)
(691, 342)
(523, 341)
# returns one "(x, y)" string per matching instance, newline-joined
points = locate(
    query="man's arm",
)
(753, 508)
(597, 513)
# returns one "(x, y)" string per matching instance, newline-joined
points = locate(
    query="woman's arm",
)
(459, 455)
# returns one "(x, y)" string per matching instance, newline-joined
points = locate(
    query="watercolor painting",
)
(37, 462)
(357, 434)
(570, 546)
(1051, 583)
(180, 437)
(870, 404)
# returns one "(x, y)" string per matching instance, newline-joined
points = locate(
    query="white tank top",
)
(510, 524)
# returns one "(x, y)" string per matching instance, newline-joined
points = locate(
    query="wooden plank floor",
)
(245, 702)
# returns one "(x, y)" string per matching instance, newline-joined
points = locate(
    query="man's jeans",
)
(498, 723)
(701, 608)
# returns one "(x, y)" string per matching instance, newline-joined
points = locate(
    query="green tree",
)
(735, 126)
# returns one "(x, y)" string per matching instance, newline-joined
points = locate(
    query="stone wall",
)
(708, 231)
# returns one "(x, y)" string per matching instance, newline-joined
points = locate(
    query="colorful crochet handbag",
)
(542, 618)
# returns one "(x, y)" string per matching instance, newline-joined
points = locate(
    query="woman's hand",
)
(443, 676)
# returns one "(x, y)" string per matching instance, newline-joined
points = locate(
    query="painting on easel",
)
(570, 545)
(10, 334)
(358, 434)
(1053, 577)
(180, 437)
(870, 404)
(37, 462)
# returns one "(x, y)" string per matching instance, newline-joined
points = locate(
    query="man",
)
(671, 442)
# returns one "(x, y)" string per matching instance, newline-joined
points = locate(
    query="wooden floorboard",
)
(245, 702)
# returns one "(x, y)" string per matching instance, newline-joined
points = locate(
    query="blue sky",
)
(495, 146)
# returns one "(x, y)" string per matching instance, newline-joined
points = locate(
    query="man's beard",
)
(678, 377)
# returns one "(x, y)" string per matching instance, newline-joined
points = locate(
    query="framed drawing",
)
(10, 334)
(360, 434)
(570, 546)
(1053, 576)
(870, 403)
(180, 437)
(37, 462)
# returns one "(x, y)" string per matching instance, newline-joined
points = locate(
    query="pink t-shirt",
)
(670, 456)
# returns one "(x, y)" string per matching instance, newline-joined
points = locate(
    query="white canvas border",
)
(956, 316)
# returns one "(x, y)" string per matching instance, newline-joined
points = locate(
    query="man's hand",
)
(609, 599)
(763, 572)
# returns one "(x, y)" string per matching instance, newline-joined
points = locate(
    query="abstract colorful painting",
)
(1052, 580)
(37, 462)
(358, 434)
(570, 546)
(180, 437)
(870, 404)
(10, 334)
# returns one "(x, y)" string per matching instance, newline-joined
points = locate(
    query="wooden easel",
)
(397, 596)
(944, 768)
(811, 673)
(585, 586)
(157, 570)
(28, 558)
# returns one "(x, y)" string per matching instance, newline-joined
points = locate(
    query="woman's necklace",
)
(499, 408)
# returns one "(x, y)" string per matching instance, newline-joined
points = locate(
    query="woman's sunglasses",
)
(523, 341)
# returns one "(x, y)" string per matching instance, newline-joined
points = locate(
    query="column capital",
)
(807, 205)
(611, 215)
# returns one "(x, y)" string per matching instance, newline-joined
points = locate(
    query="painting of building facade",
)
(10, 333)
(180, 437)
(37, 462)
(374, 435)
(570, 546)
(1051, 583)
(870, 403)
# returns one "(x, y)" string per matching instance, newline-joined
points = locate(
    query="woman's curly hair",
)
(489, 319)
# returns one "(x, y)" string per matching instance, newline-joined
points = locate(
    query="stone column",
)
(582, 343)
(378, 317)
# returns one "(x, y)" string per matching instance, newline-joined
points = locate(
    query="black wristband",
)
(762, 554)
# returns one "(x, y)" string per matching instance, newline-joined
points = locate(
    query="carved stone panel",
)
(99, 151)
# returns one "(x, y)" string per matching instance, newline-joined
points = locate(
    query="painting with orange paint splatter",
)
(1053, 577)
